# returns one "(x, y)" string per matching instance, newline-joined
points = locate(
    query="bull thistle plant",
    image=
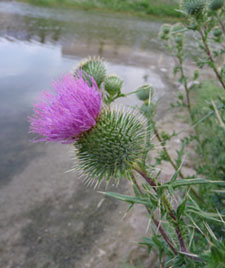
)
(114, 143)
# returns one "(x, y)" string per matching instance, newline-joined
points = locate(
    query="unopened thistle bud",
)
(194, 7)
(113, 84)
(95, 68)
(166, 28)
(164, 31)
(110, 148)
(144, 109)
(217, 34)
(179, 39)
(216, 4)
(143, 92)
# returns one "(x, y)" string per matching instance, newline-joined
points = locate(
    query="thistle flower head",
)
(194, 7)
(71, 109)
(216, 4)
(110, 148)
(94, 67)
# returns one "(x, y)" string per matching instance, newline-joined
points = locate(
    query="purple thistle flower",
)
(73, 108)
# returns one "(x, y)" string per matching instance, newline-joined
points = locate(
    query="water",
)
(38, 45)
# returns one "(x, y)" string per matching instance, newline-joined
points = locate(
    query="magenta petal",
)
(73, 108)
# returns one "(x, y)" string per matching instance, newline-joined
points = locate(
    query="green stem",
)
(189, 106)
(208, 51)
(156, 222)
(185, 85)
(151, 182)
(221, 23)
(148, 131)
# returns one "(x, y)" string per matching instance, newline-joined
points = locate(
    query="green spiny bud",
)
(194, 7)
(113, 84)
(166, 28)
(110, 148)
(144, 109)
(164, 31)
(94, 67)
(163, 36)
(216, 4)
(143, 92)
(179, 39)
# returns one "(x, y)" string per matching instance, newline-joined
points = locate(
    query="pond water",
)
(37, 45)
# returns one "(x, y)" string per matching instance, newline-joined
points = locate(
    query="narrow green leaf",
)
(180, 154)
(147, 241)
(174, 177)
(127, 198)
(170, 189)
(190, 182)
(130, 207)
(157, 242)
(203, 214)
(136, 191)
(181, 208)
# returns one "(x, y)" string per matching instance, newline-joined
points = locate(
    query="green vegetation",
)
(141, 7)
(209, 90)
(210, 106)
(209, 111)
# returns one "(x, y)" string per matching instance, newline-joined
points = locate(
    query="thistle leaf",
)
(190, 182)
(128, 199)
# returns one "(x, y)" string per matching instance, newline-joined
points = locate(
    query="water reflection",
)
(25, 69)
(78, 29)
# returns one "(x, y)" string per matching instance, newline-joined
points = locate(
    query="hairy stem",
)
(164, 235)
(156, 222)
(208, 51)
(221, 23)
(150, 181)
(180, 59)
(148, 131)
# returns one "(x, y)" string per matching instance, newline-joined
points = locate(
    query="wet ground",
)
(49, 218)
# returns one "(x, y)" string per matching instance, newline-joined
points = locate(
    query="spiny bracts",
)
(110, 148)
